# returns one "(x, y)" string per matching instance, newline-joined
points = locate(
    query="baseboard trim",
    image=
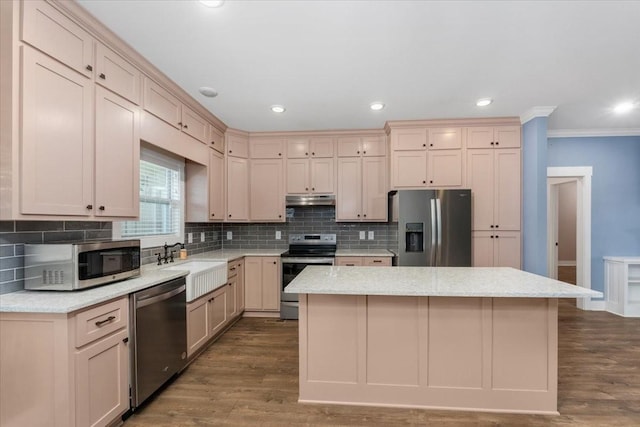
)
(596, 305)
(566, 263)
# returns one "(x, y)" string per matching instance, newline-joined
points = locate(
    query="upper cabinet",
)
(237, 145)
(117, 74)
(310, 165)
(216, 139)
(266, 190)
(48, 30)
(493, 137)
(193, 124)
(353, 146)
(267, 148)
(310, 147)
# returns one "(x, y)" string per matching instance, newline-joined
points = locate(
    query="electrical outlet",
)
(278, 235)
(371, 235)
(229, 235)
(362, 235)
(202, 236)
(190, 237)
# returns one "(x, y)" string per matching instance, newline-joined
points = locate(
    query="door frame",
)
(582, 176)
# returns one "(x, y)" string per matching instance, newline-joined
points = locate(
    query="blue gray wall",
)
(615, 193)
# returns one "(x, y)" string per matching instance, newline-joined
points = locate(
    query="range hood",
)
(311, 200)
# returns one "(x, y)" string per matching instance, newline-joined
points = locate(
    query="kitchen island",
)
(482, 339)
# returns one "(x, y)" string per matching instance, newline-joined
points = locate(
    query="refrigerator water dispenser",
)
(414, 237)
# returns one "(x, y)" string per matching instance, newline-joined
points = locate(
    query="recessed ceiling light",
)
(376, 106)
(212, 3)
(484, 102)
(208, 91)
(278, 109)
(624, 107)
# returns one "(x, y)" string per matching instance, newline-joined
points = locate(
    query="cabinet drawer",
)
(100, 321)
(349, 261)
(377, 261)
(234, 267)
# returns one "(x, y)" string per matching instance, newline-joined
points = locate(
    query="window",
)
(161, 202)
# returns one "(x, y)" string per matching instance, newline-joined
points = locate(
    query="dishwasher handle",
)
(145, 301)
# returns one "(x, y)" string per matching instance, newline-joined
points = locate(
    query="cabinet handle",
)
(180, 124)
(350, 265)
(430, 181)
(279, 154)
(497, 226)
(230, 151)
(424, 182)
(186, 126)
(491, 142)
(213, 214)
(491, 237)
(101, 208)
(313, 188)
(232, 269)
(275, 262)
(357, 152)
(358, 215)
(306, 154)
(313, 153)
(430, 145)
(279, 216)
(497, 143)
(365, 215)
(89, 206)
(102, 76)
(306, 188)
(99, 323)
(229, 215)
(424, 145)
(491, 226)
(89, 67)
(497, 236)
(377, 260)
(364, 152)
(126, 340)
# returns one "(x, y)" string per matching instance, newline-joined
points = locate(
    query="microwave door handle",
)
(439, 222)
(432, 248)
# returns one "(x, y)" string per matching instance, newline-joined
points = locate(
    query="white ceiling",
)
(326, 61)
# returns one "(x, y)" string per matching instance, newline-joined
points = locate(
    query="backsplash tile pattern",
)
(313, 219)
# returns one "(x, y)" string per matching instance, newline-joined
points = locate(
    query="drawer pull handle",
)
(232, 269)
(377, 260)
(99, 323)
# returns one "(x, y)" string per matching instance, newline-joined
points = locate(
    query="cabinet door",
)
(444, 168)
(480, 175)
(117, 161)
(480, 137)
(232, 294)
(349, 146)
(102, 381)
(298, 148)
(266, 148)
(507, 136)
(271, 279)
(56, 168)
(445, 138)
(322, 175)
(240, 288)
(267, 196)
(349, 261)
(409, 139)
(482, 248)
(216, 186)
(162, 104)
(44, 27)
(253, 283)
(506, 214)
(238, 146)
(349, 194)
(195, 125)
(298, 176)
(409, 169)
(321, 147)
(117, 74)
(507, 250)
(374, 146)
(374, 189)
(217, 305)
(216, 139)
(237, 189)
(197, 324)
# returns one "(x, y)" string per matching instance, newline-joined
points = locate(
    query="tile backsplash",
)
(311, 219)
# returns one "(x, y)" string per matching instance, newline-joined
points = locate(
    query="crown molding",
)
(586, 133)
(475, 121)
(536, 112)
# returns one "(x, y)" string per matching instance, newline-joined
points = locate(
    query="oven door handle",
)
(310, 261)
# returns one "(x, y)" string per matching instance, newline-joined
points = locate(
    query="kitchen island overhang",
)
(481, 339)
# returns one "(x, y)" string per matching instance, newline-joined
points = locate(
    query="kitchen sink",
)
(204, 276)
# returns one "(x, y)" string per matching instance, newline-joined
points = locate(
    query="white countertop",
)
(151, 274)
(364, 252)
(629, 259)
(432, 281)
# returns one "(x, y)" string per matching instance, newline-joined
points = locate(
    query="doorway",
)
(581, 178)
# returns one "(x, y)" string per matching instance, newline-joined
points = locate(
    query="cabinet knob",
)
(306, 154)
(491, 237)
(424, 145)
(491, 142)
(313, 153)
(213, 143)
(364, 152)
(357, 152)
(101, 208)
(102, 76)
(89, 67)
(89, 206)
(365, 215)
(491, 226)
(186, 126)
(230, 151)
(279, 216)
(358, 215)
(275, 262)
(279, 154)
(430, 145)
(313, 189)
(430, 181)
(306, 188)
(213, 214)
(497, 226)
(424, 182)
(497, 143)
(497, 236)
(229, 215)
(180, 124)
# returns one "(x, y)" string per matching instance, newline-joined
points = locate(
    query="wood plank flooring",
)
(567, 273)
(250, 378)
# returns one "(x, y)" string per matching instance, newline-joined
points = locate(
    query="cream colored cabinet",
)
(266, 148)
(48, 30)
(232, 295)
(117, 74)
(65, 369)
(367, 261)
(310, 165)
(117, 156)
(236, 272)
(349, 261)
(622, 285)
(444, 168)
(194, 124)
(262, 283)
(266, 188)
(495, 179)
(237, 189)
(314, 147)
(408, 169)
(197, 324)
(496, 249)
(355, 146)
(217, 306)
(362, 189)
(493, 137)
(216, 186)
(411, 139)
(237, 145)
(216, 139)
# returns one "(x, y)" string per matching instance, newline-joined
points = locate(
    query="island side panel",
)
(430, 352)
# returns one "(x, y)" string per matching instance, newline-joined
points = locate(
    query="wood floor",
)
(567, 273)
(250, 377)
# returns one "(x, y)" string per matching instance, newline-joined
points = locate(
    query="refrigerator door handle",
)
(439, 222)
(432, 249)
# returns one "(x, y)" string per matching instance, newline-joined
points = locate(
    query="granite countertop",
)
(432, 281)
(364, 252)
(151, 275)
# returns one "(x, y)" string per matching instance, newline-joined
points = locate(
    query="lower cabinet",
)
(263, 279)
(496, 249)
(207, 316)
(65, 369)
(368, 261)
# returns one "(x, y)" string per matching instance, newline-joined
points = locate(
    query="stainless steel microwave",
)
(75, 266)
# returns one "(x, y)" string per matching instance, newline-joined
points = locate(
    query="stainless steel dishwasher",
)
(159, 335)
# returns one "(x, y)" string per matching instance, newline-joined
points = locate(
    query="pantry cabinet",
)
(262, 283)
(496, 249)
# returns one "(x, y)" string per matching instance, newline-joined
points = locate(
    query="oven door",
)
(291, 267)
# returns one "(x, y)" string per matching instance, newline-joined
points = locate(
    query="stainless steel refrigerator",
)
(434, 227)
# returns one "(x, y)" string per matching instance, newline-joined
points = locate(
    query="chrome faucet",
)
(168, 256)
